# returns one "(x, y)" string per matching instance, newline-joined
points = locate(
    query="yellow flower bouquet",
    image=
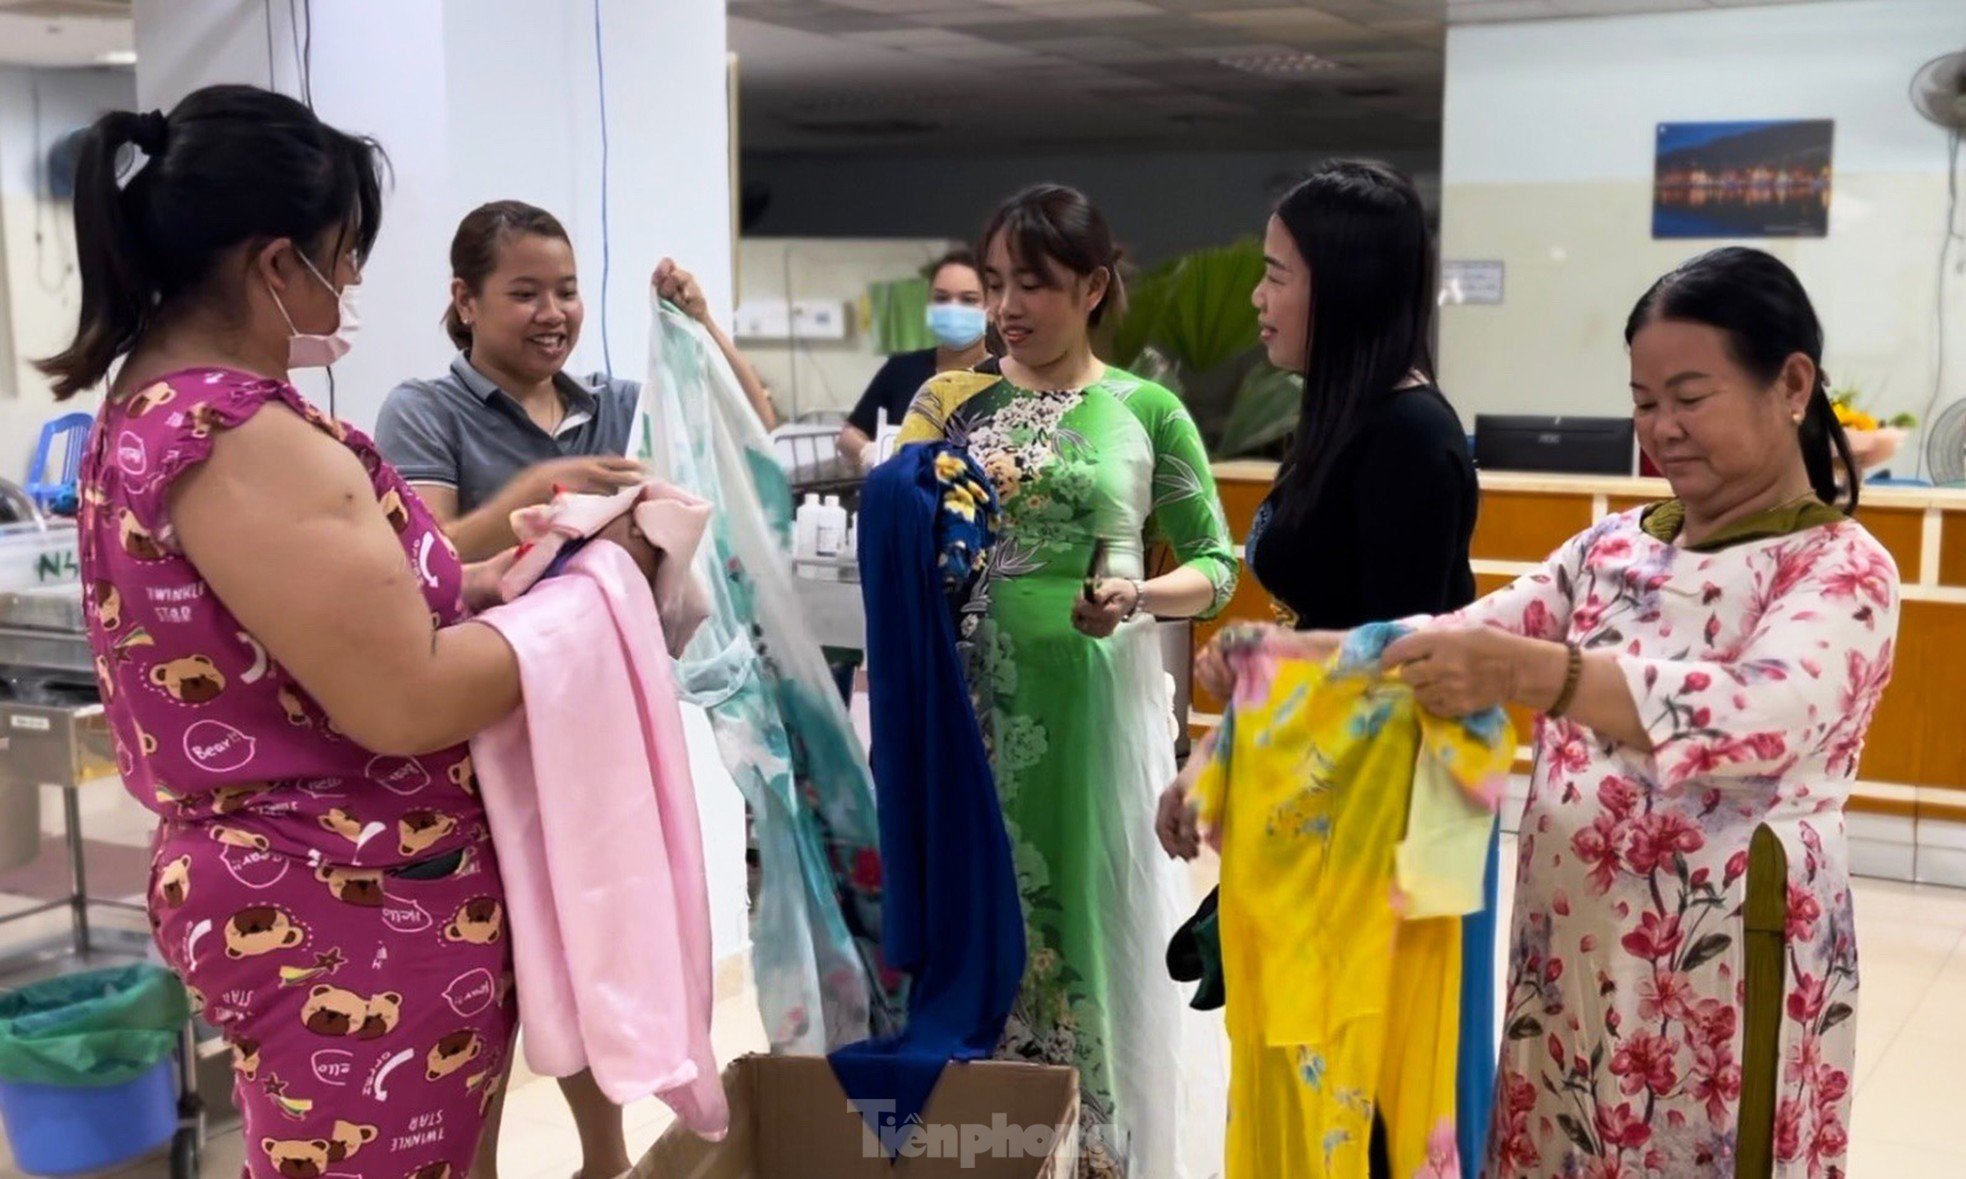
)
(1872, 441)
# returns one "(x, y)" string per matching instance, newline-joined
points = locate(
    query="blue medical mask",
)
(957, 325)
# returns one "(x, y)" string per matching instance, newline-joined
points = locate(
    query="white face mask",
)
(311, 351)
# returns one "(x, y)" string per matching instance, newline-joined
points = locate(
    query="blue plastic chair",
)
(50, 490)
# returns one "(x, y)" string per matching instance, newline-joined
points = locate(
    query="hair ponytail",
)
(1826, 451)
(231, 166)
(118, 294)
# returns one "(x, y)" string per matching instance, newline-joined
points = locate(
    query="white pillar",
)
(476, 100)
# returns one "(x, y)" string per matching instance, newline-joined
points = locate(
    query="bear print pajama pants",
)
(370, 1015)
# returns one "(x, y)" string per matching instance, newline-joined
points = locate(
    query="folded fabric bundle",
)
(1353, 828)
(1451, 819)
(670, 518)
(593, 816)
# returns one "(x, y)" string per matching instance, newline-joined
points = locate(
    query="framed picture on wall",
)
(1721, 180)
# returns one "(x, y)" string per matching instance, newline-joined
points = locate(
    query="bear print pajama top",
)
(338, 915)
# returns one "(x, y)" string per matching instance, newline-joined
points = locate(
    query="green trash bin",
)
(86, 1069)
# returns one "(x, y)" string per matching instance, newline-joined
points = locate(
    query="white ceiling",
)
(963, 75)
(65, 32)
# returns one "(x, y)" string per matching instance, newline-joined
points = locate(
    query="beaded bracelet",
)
(1572, 676)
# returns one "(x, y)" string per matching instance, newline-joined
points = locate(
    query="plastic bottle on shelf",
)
(829, 528)
(805, 529)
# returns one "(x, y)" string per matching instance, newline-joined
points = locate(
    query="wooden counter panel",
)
(1895, 808)
(1952, 549)
(1527, 526)
(1902, 532)
(1619, 504)
(1917, 738)
(1240, 499)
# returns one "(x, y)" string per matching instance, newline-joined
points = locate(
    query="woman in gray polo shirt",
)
(507, 423)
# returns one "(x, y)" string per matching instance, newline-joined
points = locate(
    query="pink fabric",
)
(593, 816)
(672, 519)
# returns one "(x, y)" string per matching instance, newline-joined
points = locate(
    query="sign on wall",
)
(1471, 283)
(1721, 180)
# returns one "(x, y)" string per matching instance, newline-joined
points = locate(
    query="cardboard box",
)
(789, 1119)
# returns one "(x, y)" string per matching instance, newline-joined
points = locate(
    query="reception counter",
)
(1908, 816)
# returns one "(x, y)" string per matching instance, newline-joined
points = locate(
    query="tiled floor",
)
(1910, 1120)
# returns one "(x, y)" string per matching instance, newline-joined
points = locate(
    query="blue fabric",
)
(1474, 1080)
(952, 915)
(1366, 645)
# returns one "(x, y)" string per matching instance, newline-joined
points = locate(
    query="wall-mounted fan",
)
(1938, 90)
(1945, 446)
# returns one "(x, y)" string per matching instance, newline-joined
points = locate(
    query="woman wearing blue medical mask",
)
(955, 316)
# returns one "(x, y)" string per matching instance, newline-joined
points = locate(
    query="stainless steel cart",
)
(54, 733)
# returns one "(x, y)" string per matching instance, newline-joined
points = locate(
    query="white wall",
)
(1159, 203)
(819, 375)
(522, 117)
(1547, 160)
(40, 292)
(477, 100)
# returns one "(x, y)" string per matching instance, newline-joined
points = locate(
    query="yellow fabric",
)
(1440, 864)
(1337, 1004)
(928, 416)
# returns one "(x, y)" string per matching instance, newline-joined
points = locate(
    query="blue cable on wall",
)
(601, 81)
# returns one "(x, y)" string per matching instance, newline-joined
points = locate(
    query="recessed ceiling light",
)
(117, 57)
(1280, 63)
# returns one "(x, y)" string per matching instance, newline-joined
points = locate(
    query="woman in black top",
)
(1372, 512)
(955, 316)
(1373, 509)
(1371, 515)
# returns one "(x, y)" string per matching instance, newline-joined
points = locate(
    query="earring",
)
(1796, 418)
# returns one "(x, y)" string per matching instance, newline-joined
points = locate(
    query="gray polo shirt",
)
(464, 432)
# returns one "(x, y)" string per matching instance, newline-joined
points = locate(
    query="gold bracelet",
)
(1573, 675)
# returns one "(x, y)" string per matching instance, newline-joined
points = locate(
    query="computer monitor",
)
(1558, 445)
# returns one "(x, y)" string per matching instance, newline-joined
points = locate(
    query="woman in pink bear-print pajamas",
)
(282, 638)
